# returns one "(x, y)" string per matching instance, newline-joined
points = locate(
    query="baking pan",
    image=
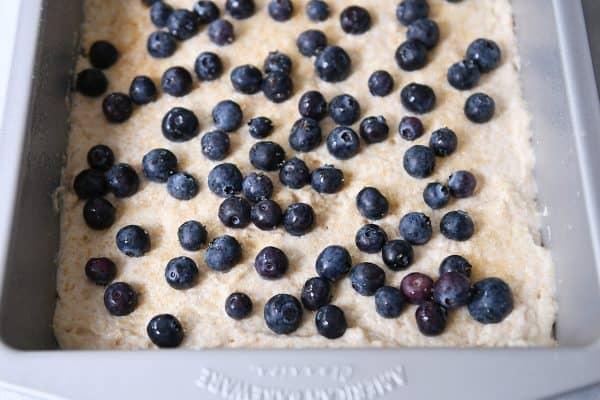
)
(560, 89)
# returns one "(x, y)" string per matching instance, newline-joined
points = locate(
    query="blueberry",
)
(327, 179)
(418, 98)
(419, 161)
(181, 273)
(456, 263)
(91, 82)
(183, 24)
(316, 293)
(267, 156)
(311, 42)
(370, 238)
(158, 165)
(277, 87)
(443, 142)
(366, 278)
(411, 10)
(192, 235)
(266, 215)
(177, 82)
(479, 108)
(343, 143)
(182, 186)
(411, 55)
(238, 305)
(294, 173)
(298, 219)
(374, 129)
(397, 254)
(271, 263)
(462, 184)
(410, 128)
(227, 115)
(344, 109)
(355, 20)
(206, 11)
(225, 180)
(431, 318)
(436, 195)
(333, 263)
(283, 314)
(317, 10)
(463, 75)
(246, 79)
(221, 32)
(333, 64)
(90, 183)
(133, 241)
(100, 271)
(223, 253)
(425, 31)
(331, 321)
(305, 135)
(234, 212)
(180, 125)
(417, 288)
(142, 90)
(122, 180)
(491, 302)
(485, 53)
(452, 290)
(257, 187)
(240, 9)
(277, 62)
(164, 330)
(208, 66)
(381, 83)
(159, 13)
(98, 213)
(415, 228)
(281, 10)
(389, 302)
(161, 44)
(371, 203)
(260, 127)
(457, 225)
(117, 108)
(215, 145)
(313, 105)
(103, 54)
(120, 299)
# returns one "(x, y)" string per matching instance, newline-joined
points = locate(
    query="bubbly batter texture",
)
(506, 243)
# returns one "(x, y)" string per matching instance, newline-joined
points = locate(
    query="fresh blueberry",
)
(333, 64)
(180, 125)
(311, 42)
(491, 302)
(366, 278)
(316, 293)
(159, 14)
(456, 263)
(463, 75)
(99, 213)
(436, 195)
(443, 142)
(355, 20)
(412, 10)
(389, 302)
(91, 82)
(215, 145)
(90, 183)
(234, 212)
(397, 254)
(267, 156)
(417, 288)
(271, 263)
(305, 135)
(257, 187)
(177, 81)
(133, 241)
(419, 161)
(431, 318)
(158, 165)
(266, 215)
(411, 55)
(344, 109)
(410, 128)
(485, 53)
(164, 330)
(317, 10)
(418, 98)
(381, 83)
(208, 66)
(260, 127)
(238, 305)
(277, 87)
(117, 108)
(313, 105)
(101, 271)
(415, 228)
(333, 263)
(181, 273)
(371, 203)
(283, 314)
(142, 90)
(225, 180)
(294, 173)
(331, 321)
(206, 11)
(298, 219)
(103, 54)
(462, 184)
(223, 253)
(425, 31)
(246, 79)
(227, 115)
(281, 10)
(479, 108)
(192, 235)
(183, 24)
(452, 290)
(277, 62)
(161, 44)
(120, 299)
(122, 180)
(182, 186)
(374, 129)
(327, 179)
(221, 32)
(343, 143)
(370, 238)
(240, 9)
(457, 225)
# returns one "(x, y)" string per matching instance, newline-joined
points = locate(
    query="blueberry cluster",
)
(422, 34)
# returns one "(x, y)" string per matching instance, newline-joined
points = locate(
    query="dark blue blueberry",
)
(327, 179)
(182, 186)
(267, 156)
(366, 278)
(91, 82)
(431, 318)
(410, 128)
(456, 263)
(99, 213)
(344, 109)
(277, 87)
(355, 20)
(397, 254)
(381, 83)
(316, 293)
(298, 219)
(370, 238)
(257, 187)
(122, 180)
(206, 11)
(208, 66)
(305, 135)
(120, 299)
(462, 184)
(479, 108)
(266, 215)
(443, 142)
(221, 32)
(215, 145)
(103, 54)
(158, 165)
(159, 13)
(333, 263)
(436, 195)
(311, 42)
(313, 105)
(161, 44)
(90, 183)
(411, 55)
(418, 98)
(415, 228)
(271, 263)
(281, 10)
(181, 273)
(491, 302)
(234, 212)
(389, 302)
(457, 225)
(183, 24)
(277, 62)
(333, 64)
(192, 235)
(177, 81)
(227, 115)
(240, 9)
(331, 321)
(417, 288)
(419, 161)
(283, 314)
(374, 129)
(317, 10)
(246, 79)
(223, 253)
(117, 108)
(225, 180)
(260, 127)
(411, 10)
(101, 271)
(180, 125)
(238, 305)
(452, 290)
(485, 53)
(463, 75)
(142, 90)
(343, 143)
(425, 31)
(371, 203)
(294, 173)
(133, 241)
(164, 330)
